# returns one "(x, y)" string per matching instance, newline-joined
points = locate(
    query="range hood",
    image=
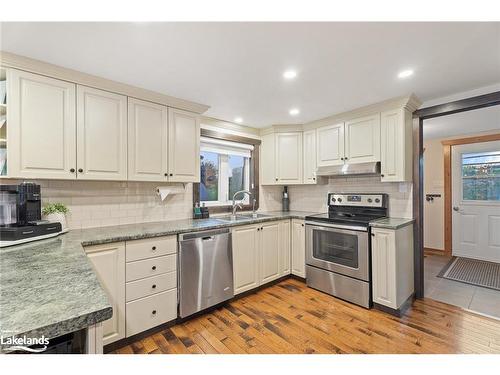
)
(350, 170)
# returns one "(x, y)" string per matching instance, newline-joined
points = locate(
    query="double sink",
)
(239, 218)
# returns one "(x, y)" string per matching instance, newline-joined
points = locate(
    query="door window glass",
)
(481, 176)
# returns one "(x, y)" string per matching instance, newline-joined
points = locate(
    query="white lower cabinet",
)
(261, 253)
(392, 266)
(109, 264)
(298, 248)
(140, 279)
(245, 257)
(269, 252)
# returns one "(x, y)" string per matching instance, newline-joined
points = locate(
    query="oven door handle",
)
(334, 226)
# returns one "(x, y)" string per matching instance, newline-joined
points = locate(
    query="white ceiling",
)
(236, 68)
(470, 122)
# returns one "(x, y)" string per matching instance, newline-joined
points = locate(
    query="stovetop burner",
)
(357, 209)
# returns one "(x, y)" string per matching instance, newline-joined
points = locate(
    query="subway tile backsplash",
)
(105, 203)
(313, 197)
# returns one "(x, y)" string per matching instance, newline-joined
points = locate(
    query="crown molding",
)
(229, 127)
(11, 60)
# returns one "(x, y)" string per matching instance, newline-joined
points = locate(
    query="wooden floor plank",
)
(289, 317)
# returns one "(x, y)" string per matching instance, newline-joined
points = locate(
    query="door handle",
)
(456, 208)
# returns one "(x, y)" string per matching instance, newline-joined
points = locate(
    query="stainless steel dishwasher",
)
(205, 270)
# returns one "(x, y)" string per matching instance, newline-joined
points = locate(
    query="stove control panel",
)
(360, 200)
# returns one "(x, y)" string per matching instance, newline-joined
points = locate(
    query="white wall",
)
(434, 184)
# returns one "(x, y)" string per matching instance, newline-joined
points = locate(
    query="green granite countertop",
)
(49, 287)
(391, 222)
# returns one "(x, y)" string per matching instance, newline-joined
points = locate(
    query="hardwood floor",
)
(291, 318)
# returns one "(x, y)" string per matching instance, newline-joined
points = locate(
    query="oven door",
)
(338, 249)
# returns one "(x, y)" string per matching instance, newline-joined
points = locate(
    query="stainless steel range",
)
(338, 255)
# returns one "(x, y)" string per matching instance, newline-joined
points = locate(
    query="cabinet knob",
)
(381, 175)
(276, 179)
(171, 174)
(153, 248)
(153, 268)
(80, 170)
(153, 312)
(341, 158)
(302, 224)
(166, 174)
(345, 158)
(72, 170)
(153, 286)
(373, 234)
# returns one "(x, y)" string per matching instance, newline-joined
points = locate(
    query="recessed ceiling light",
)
(239, 120)
(289, 74)
(405, 73)
(294, 111)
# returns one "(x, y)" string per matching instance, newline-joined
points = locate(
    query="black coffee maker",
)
(21, 214)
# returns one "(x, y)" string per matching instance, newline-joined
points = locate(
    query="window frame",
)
(217, 207)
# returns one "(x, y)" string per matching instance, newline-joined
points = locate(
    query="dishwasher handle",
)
(204, 235)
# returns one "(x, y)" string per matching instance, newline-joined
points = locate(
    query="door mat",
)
(472, 271)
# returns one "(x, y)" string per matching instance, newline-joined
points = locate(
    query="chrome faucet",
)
(236, 205)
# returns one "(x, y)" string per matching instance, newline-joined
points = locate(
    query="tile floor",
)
(482, 300)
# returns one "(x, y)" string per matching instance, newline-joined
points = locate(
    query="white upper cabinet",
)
(396, 146)
(267, 156)
(101, 134)
(288, 160)
(362, 139)
(147, 141)
(183, 146)
(42, 126)
(330, 145)
(309, 158)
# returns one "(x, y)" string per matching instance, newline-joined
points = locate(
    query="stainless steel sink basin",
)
(239, 218)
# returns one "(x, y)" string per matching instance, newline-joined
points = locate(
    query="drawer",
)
(150, 247)
(151, 285)
(149, 312)
(150, 267)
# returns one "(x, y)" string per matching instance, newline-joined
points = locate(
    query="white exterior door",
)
(309, 158)
(245, 258)
(147, 141)
(101, 135)
(476, 201)
(109, 264)
(289, 158)
(269, 252)
(42, 126)
(362, 139)
(330, 145)
(183, 146)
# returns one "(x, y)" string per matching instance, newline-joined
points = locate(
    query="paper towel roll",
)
(164, 191)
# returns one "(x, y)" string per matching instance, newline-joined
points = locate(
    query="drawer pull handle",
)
(153, 268)
(153, 286)
(153, 248)
(154, 312)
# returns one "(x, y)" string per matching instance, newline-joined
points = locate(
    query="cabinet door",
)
(384, 267)
(362, 139)
(183, 146)
(101, 135)
(285, 248)
(109, 264)
(330, 145)
(245, 258)
(267, 160)
(396, 146)
(289, 158)
(147, 141)
(42, 126)
(269, 252)
(298, 248)
(309, 158)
